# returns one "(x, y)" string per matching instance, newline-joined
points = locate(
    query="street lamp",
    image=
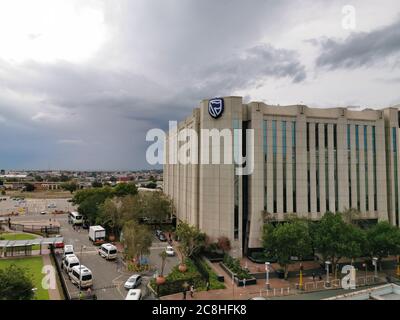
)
(80, 270)
(327, 263)
(375, 264)
(366, 270)
(267, 274)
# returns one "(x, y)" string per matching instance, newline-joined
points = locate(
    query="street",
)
(108, 276)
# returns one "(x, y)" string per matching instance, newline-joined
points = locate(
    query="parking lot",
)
(34, 206)
(108, 276)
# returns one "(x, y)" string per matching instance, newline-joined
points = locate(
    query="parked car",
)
(161, 236)
(81, 276)
(170, 251)
(108, 251)
(43, 212)
(133, 281)
(69, 262)
(51, 206)
(68, 249)
(134, 294)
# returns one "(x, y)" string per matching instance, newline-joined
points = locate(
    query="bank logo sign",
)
(216, 107)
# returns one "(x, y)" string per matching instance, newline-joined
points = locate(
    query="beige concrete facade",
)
(306, 161)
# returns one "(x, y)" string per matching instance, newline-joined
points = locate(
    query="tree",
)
(111, 215)
(124, 189)
(333, 238)
(69, 186)
(383, 240)
(286, 240)
(224, 244)
(29, 187)
(89, 201)
(137, 240)
(156, 205)
(15, 284)
(191, 239)
(97, 184)
(163, 255)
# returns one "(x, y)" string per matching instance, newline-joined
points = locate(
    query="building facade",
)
(307, 161)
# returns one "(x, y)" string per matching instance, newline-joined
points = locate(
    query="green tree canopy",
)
(15, 284)
(69, 186)
(383, 239)
(333, 238)
(191, 239)
(124, 189)
(137, 239)
(287, 240)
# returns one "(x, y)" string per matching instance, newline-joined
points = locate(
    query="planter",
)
(182, 267)
(239, 283)
(160, 280)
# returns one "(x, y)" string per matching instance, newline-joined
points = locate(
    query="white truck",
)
(97, 234)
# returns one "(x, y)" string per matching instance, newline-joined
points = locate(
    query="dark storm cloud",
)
(360, 49)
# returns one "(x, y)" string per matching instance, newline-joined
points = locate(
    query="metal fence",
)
(37, 229)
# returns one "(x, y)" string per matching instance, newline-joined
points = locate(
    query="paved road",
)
(108, 277)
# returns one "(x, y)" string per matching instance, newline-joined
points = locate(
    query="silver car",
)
(133, 282)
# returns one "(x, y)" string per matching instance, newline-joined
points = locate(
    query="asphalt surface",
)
(108, 276)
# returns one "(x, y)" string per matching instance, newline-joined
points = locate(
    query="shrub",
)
(235, 267)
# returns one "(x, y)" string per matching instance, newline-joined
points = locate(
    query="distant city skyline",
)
(81, 82)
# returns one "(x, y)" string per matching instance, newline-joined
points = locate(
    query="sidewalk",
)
(54, 294)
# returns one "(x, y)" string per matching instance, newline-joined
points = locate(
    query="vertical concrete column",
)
(362, 171)
(279, 167)
(322, 193)
(342, 164)
(289, 167)
(256, 180)
(301, 163)
(313, 180)
(331, 169)
(353, 162)
(381, 175)
(370, 173)
(270, 171)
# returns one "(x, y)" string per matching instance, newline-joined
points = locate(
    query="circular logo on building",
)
(216, 107)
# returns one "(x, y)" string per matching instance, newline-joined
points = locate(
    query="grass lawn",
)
(20, 236)
(34, 266)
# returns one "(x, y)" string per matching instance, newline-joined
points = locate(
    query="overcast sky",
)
(82, 81)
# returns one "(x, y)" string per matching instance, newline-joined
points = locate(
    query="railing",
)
(37, 229)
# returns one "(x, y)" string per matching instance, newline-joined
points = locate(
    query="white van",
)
(69, 262)
(75, 218)
(134, 294)
(81, 276)
(108, 251)
(68, 249)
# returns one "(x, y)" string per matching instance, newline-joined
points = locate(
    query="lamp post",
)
(375, 264)
(80, 270)
(327, 263)
(366, 269)
(267, 274)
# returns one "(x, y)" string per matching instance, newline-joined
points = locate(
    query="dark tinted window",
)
(87, 277)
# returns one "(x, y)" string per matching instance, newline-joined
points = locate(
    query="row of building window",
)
(354, 199)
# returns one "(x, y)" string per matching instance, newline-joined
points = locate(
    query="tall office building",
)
(307, 161)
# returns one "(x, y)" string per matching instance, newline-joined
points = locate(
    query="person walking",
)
(313, 276)
(208, 286)
(192, 291)
(184, 294)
